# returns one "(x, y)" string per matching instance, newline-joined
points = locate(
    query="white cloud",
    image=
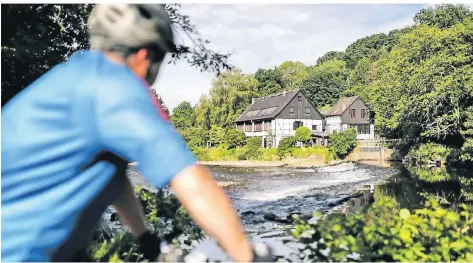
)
(264, 36)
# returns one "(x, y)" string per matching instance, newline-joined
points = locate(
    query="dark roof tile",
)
(267, 107)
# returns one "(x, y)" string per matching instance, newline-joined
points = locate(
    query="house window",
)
(362, 128)
(297, 124)
(299, 98)
(352, 113)
(291, 109)
(314, 127)
(364, 113)
(307, 110)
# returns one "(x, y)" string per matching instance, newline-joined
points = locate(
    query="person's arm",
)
(212, 210)
(129, 125)
(129, 210)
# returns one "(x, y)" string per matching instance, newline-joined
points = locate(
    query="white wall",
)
(333, 123)
(284, 127)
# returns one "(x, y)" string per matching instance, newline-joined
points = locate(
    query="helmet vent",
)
(114, 14)
(143, 12)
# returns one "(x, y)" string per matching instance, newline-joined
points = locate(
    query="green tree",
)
(269, 81)
(326, 82)
(195, 136)
(235, 138)
(303, 134)
(217, 135)
(202, 113)
(442, 16)
(293, 73)
(230, 94)
(421, 90)
(342, 143)
(365, 47)
(331, 55)
(182, 116)
(40, 36)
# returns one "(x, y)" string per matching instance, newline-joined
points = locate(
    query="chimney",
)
(252, 100)
(284, 93)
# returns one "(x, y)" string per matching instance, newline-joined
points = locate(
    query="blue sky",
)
(264, 36)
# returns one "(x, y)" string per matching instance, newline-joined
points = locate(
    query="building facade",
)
(277, 116)
(347, 113)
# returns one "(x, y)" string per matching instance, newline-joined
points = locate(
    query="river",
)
(278, 192)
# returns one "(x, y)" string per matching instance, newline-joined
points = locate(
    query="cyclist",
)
(68, 137)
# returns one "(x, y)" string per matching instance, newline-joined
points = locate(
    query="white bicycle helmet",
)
(126, 28)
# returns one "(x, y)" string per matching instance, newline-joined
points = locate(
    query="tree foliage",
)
(40, 36)
(269, 81)
(235, 138)
(182, 116)
(293, 73)
(325, 83)
(442, 16)
(342, 143)
(285, 146)
(303, 134)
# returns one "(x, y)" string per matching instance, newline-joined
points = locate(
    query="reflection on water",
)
(413, 186)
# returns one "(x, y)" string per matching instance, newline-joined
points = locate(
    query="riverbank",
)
(294, 163)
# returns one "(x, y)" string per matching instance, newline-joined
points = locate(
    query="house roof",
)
(267, 107)
(341, 106)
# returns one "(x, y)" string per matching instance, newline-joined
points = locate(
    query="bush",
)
(342, 143)
(386, 233)
(235, 138)
(202, 154)
(310, 152)
(254, 142)
(167, 219)
(303, 134)
(329, 156)
(285, 146)
(270, 154)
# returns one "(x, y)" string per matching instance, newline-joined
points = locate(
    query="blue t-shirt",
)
(54, 127)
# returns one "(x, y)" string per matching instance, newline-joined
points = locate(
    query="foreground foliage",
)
(166, 217)
(386, 233)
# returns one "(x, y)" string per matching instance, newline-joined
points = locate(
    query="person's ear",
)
(139, 63)
(141, 55)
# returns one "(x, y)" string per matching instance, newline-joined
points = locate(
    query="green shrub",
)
(254, 142)
(285, 146)
(343, 143)
(329, 156)
(270, 154)
(386, 233)
(167, 219)
(202, 154)
(310, 152)
(303, 134)
(235, 138)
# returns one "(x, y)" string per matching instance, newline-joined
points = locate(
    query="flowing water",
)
(278, 192)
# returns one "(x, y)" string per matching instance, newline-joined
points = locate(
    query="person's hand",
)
(149, 246)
